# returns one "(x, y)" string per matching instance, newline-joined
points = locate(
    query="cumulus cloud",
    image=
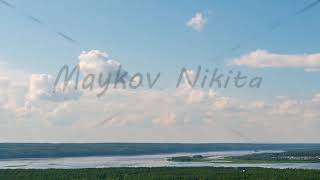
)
(96, 62)
(265, 59)
(172, 108)
(36, 111)
(41, 87)
(197, 22)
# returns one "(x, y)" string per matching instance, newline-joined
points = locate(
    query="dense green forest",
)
(161, 173)
(197, 158)
(43, 150)
(290, 156)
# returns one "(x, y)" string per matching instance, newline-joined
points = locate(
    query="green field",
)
(161, 173)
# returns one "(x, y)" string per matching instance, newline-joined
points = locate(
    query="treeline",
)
(42, 150)
(313, 155)
(307, 153)
(187, 158)
(160, 173)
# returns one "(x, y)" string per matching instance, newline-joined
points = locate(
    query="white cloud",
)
(289, 107)
(197, 22)
(36, 113)
(265, 59)
(41, 87)
(95, 62)
(221, 103)
(168, 119)
(175, 108)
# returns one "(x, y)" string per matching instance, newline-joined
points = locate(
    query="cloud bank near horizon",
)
(33, 112)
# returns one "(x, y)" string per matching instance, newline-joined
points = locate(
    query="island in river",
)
(294, 156)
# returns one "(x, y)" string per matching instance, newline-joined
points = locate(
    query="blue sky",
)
(153, 36)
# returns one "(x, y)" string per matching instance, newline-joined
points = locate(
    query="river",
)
(159, 160)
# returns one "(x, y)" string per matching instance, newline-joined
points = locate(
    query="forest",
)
(160, 173)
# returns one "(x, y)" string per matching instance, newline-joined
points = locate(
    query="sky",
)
(274, 41)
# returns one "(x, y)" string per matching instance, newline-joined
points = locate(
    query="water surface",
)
(159, 160)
